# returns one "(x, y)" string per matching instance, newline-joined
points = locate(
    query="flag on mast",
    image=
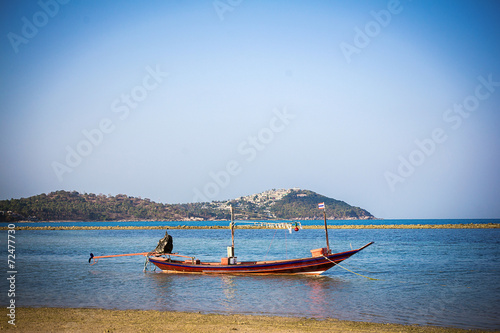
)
(321, 205)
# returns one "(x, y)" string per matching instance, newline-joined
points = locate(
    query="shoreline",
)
(100, 320)
(371, 226)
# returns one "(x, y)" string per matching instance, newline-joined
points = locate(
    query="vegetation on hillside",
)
(74, 206)
(303, 204)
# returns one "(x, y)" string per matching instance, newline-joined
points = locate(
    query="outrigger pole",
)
(95, 258)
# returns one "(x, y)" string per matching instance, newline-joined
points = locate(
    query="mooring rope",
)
(265, 257)
(147, 266)
(286, 247)
(337, 264)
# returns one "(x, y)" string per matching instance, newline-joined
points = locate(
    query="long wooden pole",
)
(119, 255)
(232, 228)
(95, 258)
(326, 232)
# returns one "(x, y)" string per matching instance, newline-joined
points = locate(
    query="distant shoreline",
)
(388, 226)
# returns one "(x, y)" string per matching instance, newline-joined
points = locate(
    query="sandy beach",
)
(98, 320)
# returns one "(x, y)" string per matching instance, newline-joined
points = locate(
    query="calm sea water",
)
(443, 277)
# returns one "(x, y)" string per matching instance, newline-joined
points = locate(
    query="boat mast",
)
(232, 227)
(326, 231)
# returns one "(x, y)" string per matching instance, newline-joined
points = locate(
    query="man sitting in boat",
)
(165, 244)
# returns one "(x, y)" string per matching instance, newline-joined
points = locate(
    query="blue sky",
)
(392, 106)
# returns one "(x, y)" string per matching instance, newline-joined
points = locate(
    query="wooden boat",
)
(320, 261)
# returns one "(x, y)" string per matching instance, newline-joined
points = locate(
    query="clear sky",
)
(392, 106)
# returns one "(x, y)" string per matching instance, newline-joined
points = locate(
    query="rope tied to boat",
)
(265, 257)
(147, 264)
(337, 264)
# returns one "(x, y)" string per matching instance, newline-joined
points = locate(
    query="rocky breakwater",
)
(380, 226)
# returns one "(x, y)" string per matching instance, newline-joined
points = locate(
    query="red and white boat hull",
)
(309, 266)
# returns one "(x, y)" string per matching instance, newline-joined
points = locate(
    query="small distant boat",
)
(320, 261)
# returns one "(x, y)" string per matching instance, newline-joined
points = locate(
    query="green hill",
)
(73, 206)
(273, 204)
(303, 204)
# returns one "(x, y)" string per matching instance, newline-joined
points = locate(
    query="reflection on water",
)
(229, 289)
(277, 295)
(318, 301)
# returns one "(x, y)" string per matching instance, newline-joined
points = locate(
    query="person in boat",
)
(165, 244)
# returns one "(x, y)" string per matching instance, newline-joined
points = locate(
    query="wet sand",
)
(98, 320)
(181, 226)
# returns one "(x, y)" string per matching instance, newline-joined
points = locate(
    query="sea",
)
(439, 277)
